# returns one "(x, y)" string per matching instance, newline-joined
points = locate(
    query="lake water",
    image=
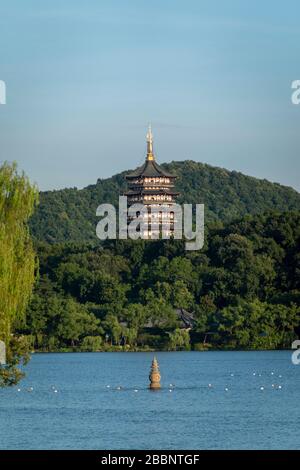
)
(86, 414)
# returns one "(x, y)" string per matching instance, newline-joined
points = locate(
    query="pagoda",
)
(152, 186)
(154, 375)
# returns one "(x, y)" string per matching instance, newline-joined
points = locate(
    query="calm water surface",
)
(86, 414)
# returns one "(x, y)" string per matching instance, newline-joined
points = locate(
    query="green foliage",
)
(91, 343)
(69, 214)
(243, 289)
(258, 325)
(18, 349)
(179, 340)
(73, 322)
(113, 328)
(57, 322)
(17, 265)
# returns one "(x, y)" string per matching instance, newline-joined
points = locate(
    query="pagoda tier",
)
(151, 185)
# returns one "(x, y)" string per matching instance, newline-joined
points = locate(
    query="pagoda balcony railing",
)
(157, 190)
(157, 217)
(146, 180)
(153, 186)
(151, 200)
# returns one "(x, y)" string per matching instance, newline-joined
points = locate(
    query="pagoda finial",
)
(150, 154)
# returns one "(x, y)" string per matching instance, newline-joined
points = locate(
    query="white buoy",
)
(254, 373)
(210, 385)
(170, 390)
(136, 390)
(107, 386)
(280, 376)
(272, 373)
(262, 388)
(55, 391)
(231, 375)
(19, 389)
(280, 387)
(226, 389)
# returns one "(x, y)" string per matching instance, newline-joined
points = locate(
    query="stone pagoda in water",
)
(154, 375)
(152, 186)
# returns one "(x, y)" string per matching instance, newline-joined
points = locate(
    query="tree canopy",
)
(17, 263)
(243, 289)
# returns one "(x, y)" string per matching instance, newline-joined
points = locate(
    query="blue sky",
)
(84, 78)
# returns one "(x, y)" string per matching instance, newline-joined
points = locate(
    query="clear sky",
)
(84, 78)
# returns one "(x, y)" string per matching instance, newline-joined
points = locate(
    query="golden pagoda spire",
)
(150, 154)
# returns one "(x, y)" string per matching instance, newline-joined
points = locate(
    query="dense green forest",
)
(69, 214)
(243, 288)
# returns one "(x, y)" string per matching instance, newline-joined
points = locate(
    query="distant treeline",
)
(243, 289)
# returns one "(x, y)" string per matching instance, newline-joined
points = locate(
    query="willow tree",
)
(17, 266)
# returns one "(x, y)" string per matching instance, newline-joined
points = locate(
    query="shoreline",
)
(162, 351)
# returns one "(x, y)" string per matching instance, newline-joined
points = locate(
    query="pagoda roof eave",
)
(150, 169)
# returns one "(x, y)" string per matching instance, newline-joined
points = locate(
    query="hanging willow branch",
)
(17, 258)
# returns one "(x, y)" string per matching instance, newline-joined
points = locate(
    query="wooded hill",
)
(69, 214)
